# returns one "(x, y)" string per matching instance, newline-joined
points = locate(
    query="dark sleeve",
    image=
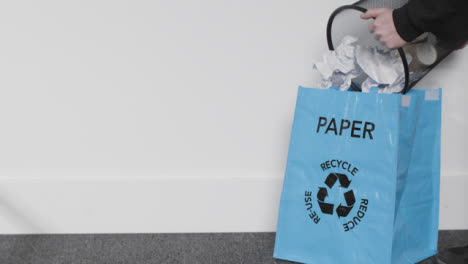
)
(447, 19)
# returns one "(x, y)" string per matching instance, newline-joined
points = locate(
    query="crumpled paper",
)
(395, 87)
(383, 68)
(339, 66)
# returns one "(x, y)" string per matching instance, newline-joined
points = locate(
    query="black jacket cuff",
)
(403, 25)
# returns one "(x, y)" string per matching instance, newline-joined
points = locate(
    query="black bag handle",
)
(363, 10)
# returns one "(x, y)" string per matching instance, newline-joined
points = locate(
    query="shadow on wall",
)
(14, 212)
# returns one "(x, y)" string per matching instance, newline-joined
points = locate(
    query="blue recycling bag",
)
(362, 178)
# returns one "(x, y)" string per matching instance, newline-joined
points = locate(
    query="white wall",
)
(169, 116)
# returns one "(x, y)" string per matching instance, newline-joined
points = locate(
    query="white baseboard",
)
(147, 205)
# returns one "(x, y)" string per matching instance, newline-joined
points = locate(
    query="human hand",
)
(384, 28)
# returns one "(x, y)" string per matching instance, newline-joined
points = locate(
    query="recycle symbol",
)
(341, 210)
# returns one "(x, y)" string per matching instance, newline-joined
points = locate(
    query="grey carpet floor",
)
(206, 248)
